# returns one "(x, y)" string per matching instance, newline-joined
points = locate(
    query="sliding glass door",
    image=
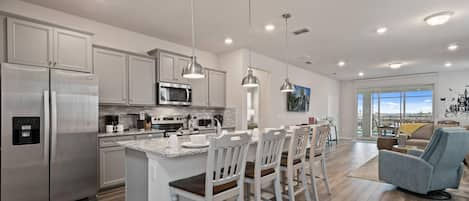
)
(388, 107)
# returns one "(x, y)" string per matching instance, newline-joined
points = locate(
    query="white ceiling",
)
(340, 29)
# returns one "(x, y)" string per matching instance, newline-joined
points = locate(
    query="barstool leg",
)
(324, 173)
(313, 181)
(247, 188)
(305, 183)
(278, 188)
(291, 190)
(257, 190)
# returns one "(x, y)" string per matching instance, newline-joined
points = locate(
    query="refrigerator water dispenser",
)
(26, 130)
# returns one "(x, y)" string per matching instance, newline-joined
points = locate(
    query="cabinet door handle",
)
(55, 63)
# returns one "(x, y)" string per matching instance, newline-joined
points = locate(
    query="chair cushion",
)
(250, 170)
(284, 162)
(285, 154)
(425, 132)
(196, 185)
(420, 143)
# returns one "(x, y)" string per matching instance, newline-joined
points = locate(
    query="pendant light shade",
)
(193, 70)
(250, 80)
(287, 86)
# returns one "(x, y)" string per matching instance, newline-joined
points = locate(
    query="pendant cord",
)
(193, 31)
(286, 43)
(249, 37)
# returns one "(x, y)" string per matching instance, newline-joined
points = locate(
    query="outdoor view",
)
(388, 109)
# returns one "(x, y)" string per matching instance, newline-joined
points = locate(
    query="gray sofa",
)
(437, 168)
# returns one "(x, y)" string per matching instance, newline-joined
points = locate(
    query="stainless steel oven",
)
(174, 94)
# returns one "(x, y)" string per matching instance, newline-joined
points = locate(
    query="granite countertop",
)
(130, 132)
(161, 147)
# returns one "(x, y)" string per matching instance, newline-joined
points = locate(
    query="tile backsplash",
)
(127, 118)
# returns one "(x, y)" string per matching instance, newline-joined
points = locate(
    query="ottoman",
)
(385, 142)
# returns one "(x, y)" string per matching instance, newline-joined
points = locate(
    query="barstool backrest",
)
(226, 161)
(321, 135)
(297, 148)
(269, 150)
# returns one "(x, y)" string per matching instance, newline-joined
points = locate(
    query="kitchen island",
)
(152, 163)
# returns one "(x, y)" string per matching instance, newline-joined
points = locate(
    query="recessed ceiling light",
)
(381, 30)
(228, 41)
(453, 47)
(438, 18)
(396, 65)
(269, 27)
(448, 64)
(341, 63)
(361, 74)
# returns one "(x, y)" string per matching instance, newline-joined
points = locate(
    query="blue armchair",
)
(437, 168)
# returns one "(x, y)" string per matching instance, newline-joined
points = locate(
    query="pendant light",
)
(287, 86)
(250, 80)
(193, 70)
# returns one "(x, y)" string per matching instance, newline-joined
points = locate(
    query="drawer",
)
(149, 136)
(112, 141)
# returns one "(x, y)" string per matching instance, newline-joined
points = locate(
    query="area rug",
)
(369, 171)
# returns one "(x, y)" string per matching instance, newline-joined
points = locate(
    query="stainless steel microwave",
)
(174, 94)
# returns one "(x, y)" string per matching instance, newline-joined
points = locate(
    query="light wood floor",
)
(341, 160)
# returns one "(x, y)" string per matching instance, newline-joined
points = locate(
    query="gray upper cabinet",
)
(216, 83)
(29, 43)
(166, 67)
(142, 86)
(72, 50)
(200, 91)
(36, 44)
(2, 39)
(111, 68)
(170, 67)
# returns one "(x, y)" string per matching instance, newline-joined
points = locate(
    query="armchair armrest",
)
(406, 171)
(415, 152)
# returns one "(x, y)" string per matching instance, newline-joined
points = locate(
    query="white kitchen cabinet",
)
(29, 43)
(142, 86)
(200, 91)
(170, 67)
(72, 50)
(112, 166)
(217, 83)
(111, 68)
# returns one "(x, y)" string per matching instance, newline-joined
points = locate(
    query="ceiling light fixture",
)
(448, 64)
(287, 86)
(228, 41)
(438, 18)
(396, 65)
(269, 27)
(250, 80)
(381, 30)
(453, 47)
(361, 74)
(193, 70)
(341, 63)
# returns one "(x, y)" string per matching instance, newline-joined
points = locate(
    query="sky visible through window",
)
(416, 102)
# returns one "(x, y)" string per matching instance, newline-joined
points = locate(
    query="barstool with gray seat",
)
(316, 153)
(224, 176)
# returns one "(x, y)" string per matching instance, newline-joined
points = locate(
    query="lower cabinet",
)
(112, 166)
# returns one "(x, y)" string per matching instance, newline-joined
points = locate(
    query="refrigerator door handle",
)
(53, 125)
(46, 126)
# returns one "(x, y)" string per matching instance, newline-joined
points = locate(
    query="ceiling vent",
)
(301, 31)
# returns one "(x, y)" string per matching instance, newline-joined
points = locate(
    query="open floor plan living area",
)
(234, 100)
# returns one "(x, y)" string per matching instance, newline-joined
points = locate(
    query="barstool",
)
(295, 161)
(317, 154)
(223, 178)
(266, 167)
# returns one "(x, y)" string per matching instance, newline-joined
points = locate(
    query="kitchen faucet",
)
(218, 131)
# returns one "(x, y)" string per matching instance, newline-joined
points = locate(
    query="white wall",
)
(440, 81)
(324, 90)
(105, 35)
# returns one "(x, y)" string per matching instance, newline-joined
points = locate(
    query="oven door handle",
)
(187, 95)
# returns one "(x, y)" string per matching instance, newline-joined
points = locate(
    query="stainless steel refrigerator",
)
(49, 126)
